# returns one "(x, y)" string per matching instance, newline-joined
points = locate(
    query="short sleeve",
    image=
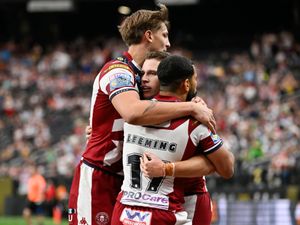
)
(118, 80)
(206, 141)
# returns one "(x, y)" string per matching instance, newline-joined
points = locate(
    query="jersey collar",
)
(164, 98)
(131, 60)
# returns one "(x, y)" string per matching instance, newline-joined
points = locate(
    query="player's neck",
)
(138, 53)
(182, 97)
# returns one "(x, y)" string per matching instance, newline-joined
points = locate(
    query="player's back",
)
(171, 142)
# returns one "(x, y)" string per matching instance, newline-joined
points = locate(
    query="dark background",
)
(207, 24)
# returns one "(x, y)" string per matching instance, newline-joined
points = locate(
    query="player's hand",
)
(198, 99)
(151, 165)
(88, 132)
(205, 115)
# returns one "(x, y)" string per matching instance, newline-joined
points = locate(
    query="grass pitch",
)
(18, 220)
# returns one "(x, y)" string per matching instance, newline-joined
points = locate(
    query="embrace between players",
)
(145, 160)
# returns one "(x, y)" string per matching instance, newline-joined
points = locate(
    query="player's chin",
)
(162, 49)
(147, 94)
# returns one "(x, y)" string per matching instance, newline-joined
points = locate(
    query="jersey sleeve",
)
(117, 80)
(205, 140)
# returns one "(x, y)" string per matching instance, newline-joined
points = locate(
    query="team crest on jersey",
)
(102, 218)
(119, 80)
(135, 217)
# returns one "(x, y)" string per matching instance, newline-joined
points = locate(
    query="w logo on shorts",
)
(140, 216)
(135, 217)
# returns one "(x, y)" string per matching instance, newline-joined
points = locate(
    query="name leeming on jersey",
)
(151, 143)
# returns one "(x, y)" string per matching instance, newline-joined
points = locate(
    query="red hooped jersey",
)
(104, 148)
(172, 141)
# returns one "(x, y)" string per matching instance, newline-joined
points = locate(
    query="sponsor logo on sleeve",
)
(115, 66)
(119, 80)
(215, 138)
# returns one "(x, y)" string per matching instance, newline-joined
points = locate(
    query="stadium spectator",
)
(50, 199)
(35, 197)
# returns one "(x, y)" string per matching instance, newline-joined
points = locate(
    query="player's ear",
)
(186, 85)
(148, 35)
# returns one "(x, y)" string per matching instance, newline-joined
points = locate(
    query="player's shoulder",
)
(115, 64)
(179, 122)
(195, 124)
(191, 120)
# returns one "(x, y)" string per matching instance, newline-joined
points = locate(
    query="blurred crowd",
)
(256, 99)
(45, 100)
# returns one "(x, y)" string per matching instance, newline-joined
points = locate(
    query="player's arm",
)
(210, 145)
(88, 129)
(196, 166)
(223, 161)
(144, 112)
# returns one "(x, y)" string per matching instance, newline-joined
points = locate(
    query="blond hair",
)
(133, 27)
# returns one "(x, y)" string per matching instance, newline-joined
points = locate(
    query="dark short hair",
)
(174, 69)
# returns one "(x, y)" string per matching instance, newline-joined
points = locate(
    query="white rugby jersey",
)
(172, 141)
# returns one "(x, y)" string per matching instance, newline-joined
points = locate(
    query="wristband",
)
(169, 169)
(164, 170)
